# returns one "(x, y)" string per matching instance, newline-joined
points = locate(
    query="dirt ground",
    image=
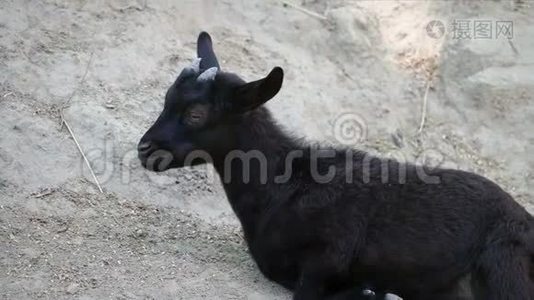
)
(105, 65)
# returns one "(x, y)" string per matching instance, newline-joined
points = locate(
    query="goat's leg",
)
(443, 295)
(327, 260)
(456, 290)
(313, 288)
(503, 274)
(315, 271)
(358, 293)
(309, 287)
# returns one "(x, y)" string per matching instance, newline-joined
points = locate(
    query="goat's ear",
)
(205, 51)
(254, 94)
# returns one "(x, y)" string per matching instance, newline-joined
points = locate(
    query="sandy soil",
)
(106, 64)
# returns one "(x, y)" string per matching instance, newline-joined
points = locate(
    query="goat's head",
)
(200, 111)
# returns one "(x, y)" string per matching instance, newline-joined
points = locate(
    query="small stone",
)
(72, 288)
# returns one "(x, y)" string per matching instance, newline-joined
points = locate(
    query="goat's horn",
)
(209, 74)
(195, 65)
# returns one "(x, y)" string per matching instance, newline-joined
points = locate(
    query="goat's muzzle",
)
(154, 159)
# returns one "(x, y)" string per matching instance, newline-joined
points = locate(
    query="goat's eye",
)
(196, 115)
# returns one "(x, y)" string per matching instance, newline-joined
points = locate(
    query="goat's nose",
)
(144, 146)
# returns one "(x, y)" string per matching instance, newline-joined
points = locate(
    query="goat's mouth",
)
(157, 161)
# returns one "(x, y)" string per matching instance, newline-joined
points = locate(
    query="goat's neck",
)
(260, 135)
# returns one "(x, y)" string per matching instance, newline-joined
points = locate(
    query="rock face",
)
(106, 66)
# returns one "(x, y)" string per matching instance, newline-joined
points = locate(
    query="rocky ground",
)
(105, 65)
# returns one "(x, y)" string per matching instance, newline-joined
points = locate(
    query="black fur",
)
(330, 240)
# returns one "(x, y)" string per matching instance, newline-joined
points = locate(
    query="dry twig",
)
(64, 122)
(43, 193)
(304, 10)
(69, 129)
(137, 6)
(424, 109)
(67, 103)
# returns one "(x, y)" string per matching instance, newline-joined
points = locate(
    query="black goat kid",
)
(329, 239)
